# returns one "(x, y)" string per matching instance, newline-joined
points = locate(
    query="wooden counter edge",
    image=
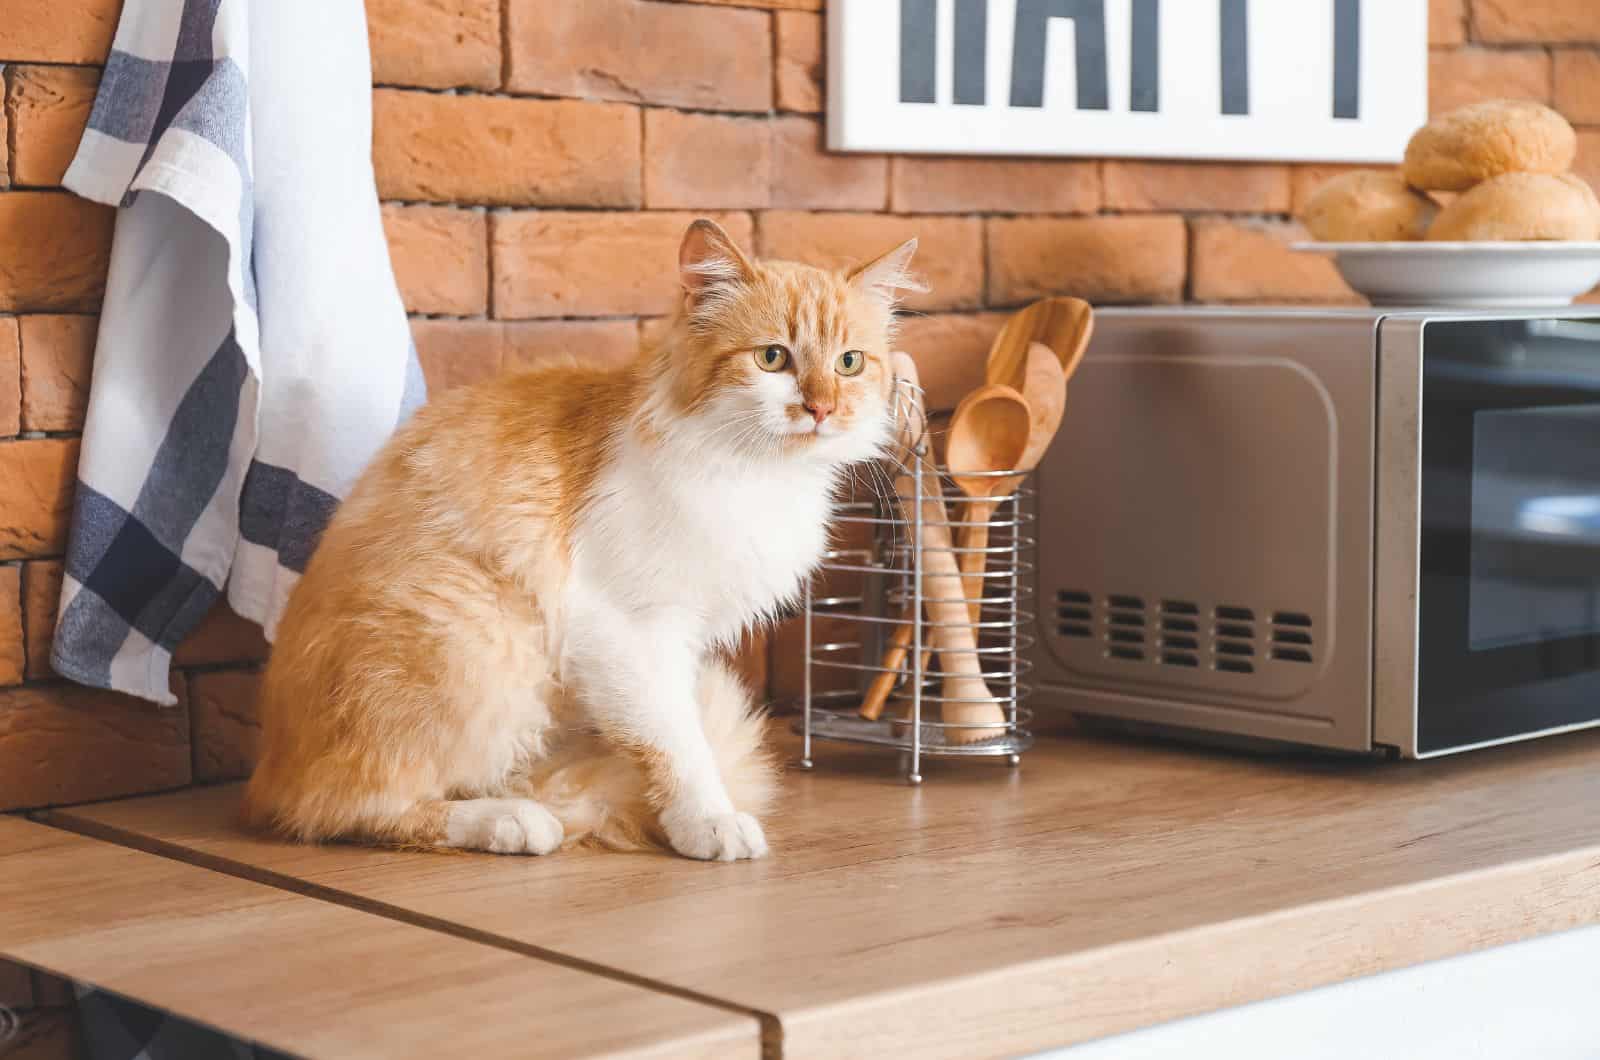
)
(1124, 987)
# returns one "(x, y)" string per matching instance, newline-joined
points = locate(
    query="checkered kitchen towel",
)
(253, 351)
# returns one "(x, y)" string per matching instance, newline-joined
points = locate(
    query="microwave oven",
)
(1363, 530)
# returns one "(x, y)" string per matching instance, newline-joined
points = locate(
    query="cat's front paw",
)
(715, 837)
(504, 826)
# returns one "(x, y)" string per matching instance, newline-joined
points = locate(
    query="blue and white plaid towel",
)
(253, 350)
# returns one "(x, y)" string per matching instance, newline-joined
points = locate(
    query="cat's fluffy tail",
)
(601, 795)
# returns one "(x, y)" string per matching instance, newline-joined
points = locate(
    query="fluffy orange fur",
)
(420, 660)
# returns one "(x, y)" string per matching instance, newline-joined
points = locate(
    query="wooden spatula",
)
(1044, 392)
(1063, 324)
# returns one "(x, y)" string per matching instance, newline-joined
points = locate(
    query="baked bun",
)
(1368, 207)
(1521, 206)
(1483, 140)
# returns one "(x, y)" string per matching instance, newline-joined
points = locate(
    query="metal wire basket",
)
(880, 613)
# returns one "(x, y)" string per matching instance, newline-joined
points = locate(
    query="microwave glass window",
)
(1535, 525)
(1508, 607)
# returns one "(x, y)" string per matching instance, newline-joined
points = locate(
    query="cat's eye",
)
(851, 362)
(772, 358)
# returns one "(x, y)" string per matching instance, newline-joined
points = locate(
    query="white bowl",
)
(1466, 275)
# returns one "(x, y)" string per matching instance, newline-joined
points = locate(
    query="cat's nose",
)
(819, 410)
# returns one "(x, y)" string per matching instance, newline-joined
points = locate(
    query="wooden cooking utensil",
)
(1063, 324)
(990, 432)
(1044, 388)
(991, 424)
(894, 655)
(950, 632)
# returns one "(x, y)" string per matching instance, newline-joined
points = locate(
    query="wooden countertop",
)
(314, 978)
(1104, 886)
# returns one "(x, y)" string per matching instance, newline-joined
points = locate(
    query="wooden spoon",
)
(1063, 324)
(950, 633)
(991, 431)
(1044, 388)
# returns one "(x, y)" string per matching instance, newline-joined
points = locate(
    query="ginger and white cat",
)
(507, 638)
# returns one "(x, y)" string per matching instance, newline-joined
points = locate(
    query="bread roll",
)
(1484, 140)
(1368, 206)
(1521, 206)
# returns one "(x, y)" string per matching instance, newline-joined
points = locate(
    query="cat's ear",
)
(708, 258)
(889, 273)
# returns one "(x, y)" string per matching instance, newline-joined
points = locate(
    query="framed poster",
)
(1305, 80)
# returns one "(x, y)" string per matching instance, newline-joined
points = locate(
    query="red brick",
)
(1447, 22)
(435, 43)
(949, 253)
(13, 658)
(1100, 259)
(1250, 261)
(774, 5)
(58, 31)
(1587, 164)
(1577, 85)
(222, 637)
(36, 477)
(798, 69)
(456, 352)
(5, 146)
(57, 361)
(1156, 186)
(963, 185)
(532, 343)
(10, 377)
(41, 595)
(1304, 180)
(951, 350)
(1536, 21)
(697, 161)
(1471, 75)
(686, 55)
(227, 728)
(440, 257)
(493, 149)
(550, 263)
(807, 176)
(47, 107)
(54, 248)
(66, 744)
(651, 330)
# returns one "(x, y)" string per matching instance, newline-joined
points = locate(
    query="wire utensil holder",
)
(879, 591)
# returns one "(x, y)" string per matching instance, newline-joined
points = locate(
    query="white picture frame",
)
(1282, 80)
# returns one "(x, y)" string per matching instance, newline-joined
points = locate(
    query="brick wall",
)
(538, 162)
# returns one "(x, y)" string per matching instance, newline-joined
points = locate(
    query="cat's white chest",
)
(725, 547)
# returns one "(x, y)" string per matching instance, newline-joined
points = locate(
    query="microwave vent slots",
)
(1171, 631)
(1233, 639)
(1125, 628)
(1074, 614)
(1292, 639)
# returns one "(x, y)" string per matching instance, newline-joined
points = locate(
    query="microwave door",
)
(1508, 629)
